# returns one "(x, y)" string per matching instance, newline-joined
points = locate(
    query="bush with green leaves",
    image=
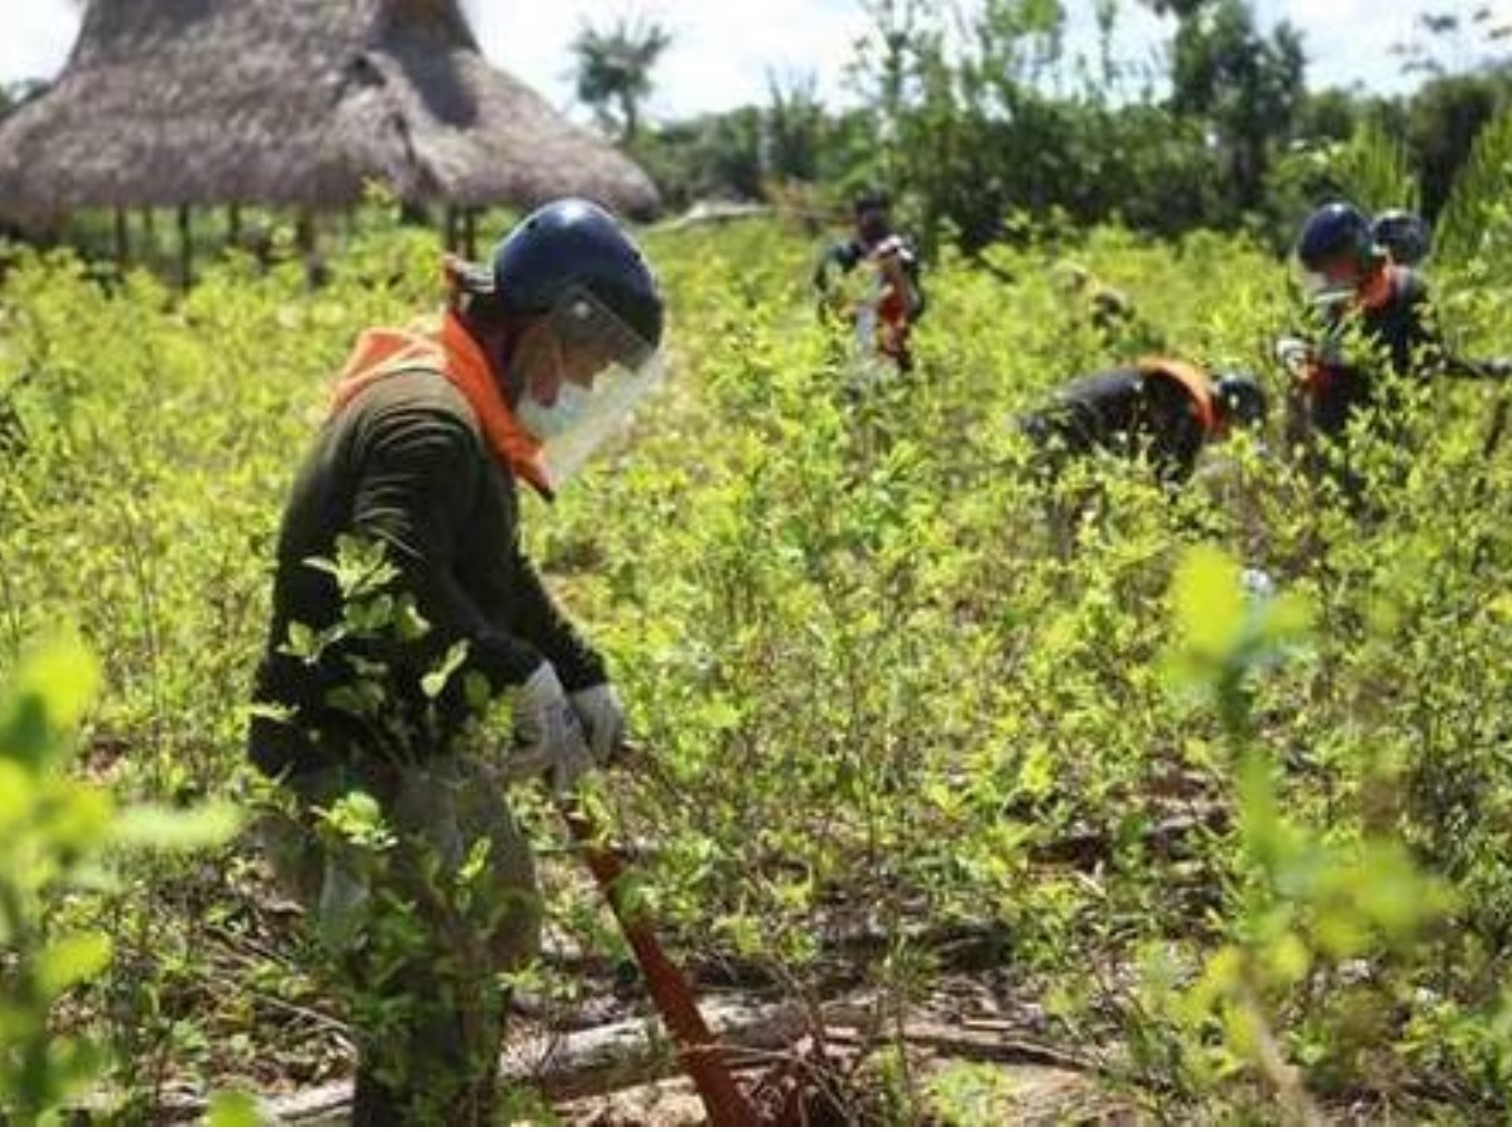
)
(887, 701)
(58, 834)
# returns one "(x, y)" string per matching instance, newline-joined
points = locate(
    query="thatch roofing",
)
(294, 102)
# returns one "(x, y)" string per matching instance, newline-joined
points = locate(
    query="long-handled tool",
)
(696, 1047)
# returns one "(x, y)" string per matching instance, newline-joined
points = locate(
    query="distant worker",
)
(1357, 289)
(889, 299)
(1158, 409)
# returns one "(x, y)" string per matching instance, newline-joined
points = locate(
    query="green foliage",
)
(1474, 229)
(1222, 637)
(614, 70)
(1372, 170)
(234, 1110)
(55, 835)
(969, 1095)
(1246, 86)
(885, 696)
(1306, 903)
(974, 116)
(1444, 120)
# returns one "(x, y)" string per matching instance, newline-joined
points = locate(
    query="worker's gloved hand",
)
(602, 715)
(1292, 353)
(549, 737)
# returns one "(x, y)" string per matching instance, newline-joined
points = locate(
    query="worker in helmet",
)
(1158, 409)
(890, 299)
(1358, 291)
(1403, 235)
(404, 607)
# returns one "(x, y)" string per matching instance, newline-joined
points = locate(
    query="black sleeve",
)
(540, 620)
(1425, 343)
(420, 477)
(1175, 428)
(841, 256)
(822, 267)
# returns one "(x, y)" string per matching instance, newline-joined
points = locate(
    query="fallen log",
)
(989, 1039)
(603, 1059)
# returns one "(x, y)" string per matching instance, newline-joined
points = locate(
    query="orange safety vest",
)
(1190, 378)
(454, 353)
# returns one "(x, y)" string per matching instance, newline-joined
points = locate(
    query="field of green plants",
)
(1250, 858)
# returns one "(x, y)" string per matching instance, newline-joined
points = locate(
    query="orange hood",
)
(1193, 380)
(451, 351)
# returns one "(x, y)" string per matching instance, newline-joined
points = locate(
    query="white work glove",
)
(1292, 353)
(1257, 583)
(548, 735)
(602, 715)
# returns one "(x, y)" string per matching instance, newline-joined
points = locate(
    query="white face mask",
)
(1323, 291)
(546, 421)
(594, 395)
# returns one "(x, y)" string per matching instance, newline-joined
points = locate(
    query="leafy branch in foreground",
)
(1306, 903)
(56, 833)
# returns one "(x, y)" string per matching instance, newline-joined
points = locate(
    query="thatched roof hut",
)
(294, 103)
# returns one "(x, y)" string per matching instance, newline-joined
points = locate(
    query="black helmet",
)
(1404, 235)
(870, 207)
(573, 243)
(1241, 398)
(1335, 230)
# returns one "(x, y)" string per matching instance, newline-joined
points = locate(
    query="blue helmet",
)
(1405, 235)
(1241, 398)
(1336, 230)
(574, 245)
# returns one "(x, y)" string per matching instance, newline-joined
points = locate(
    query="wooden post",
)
(411, 211)
(122, 240)
(470, 232)
(451, 228)
(186, 248)
(63, 231)
(307, 239)
(233, 225)
(304, 232)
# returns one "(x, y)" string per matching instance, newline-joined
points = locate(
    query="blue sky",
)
(723, 53)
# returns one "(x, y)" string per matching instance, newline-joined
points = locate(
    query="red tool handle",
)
(724, 1102)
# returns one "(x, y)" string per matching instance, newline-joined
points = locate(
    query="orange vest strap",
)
(1190, 378)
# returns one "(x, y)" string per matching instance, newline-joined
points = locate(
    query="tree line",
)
(973, 119)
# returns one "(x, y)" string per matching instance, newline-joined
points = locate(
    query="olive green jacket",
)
(403, 465)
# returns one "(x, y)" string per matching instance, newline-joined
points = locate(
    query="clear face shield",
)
(1331, 283)
(583, 375)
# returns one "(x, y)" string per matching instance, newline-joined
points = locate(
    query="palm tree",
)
(614, 70)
